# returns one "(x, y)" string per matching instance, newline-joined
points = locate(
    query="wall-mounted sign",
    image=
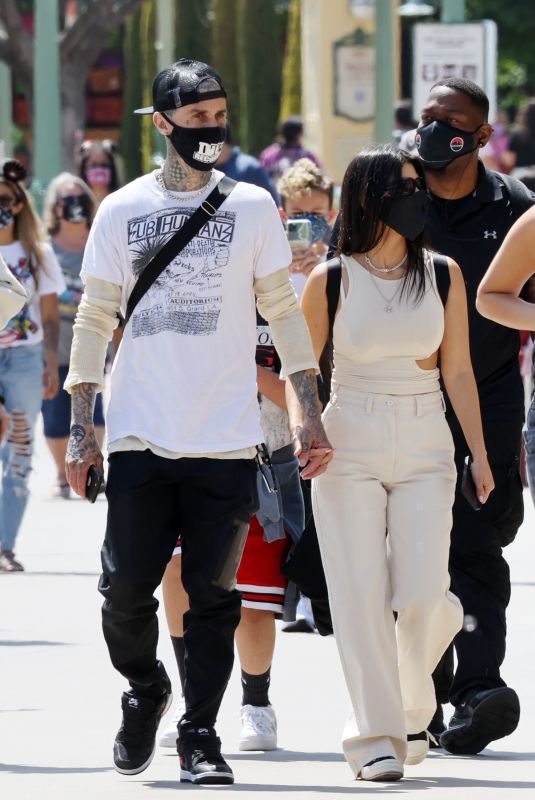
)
(459, 50)
(354, 76)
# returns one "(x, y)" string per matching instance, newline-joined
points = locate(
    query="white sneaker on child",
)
(169, 735)
(259, 728)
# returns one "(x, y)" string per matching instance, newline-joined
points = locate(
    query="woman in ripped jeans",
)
(28, 348)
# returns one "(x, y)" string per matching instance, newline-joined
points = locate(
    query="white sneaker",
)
(258, 728)
(382, 769)
(170, 734)
(417, 747)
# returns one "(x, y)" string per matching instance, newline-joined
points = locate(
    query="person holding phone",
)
(394, 468)
(307, 211)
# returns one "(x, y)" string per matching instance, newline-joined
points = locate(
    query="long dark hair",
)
(363, 188)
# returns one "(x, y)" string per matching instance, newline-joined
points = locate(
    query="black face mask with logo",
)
(76, 207)
(198, 147)
(439, 144)
(406, 215)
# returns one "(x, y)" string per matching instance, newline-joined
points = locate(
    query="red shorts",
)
(259, 578)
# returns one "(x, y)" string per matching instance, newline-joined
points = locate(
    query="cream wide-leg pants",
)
(393, 471)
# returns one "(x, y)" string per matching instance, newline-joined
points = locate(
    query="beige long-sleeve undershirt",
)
(98, 316)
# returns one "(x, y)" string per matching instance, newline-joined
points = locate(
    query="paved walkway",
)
(60, 698)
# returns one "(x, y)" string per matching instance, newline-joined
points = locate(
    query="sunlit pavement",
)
(60, 697)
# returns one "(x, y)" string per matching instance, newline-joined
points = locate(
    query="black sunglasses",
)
(7, 202)
(404, 187)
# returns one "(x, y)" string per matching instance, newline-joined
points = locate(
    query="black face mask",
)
(76, 208)
(405, 215)
(199, 147)
(439, 144)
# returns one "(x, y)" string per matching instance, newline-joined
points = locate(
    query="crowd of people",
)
(371, 431)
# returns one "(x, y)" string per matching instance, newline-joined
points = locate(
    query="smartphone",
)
(93, 483)
(299, 233)
(468, 487)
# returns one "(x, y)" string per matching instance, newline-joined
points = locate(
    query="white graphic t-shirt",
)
(184, 378)
(26, 328)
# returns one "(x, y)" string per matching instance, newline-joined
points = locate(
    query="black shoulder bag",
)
(178, 242)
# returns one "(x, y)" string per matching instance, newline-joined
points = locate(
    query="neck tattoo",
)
(177, 176)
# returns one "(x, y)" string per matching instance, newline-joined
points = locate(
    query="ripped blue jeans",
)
(21, 384)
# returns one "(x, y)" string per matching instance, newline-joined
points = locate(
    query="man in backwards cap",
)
(183, 418)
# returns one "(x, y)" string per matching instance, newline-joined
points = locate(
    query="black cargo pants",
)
(150, 500)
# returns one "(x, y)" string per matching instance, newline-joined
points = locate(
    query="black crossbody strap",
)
(178, 242)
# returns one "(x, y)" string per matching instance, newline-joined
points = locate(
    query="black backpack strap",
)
(442, 276)
(332, 289)
(178, 242)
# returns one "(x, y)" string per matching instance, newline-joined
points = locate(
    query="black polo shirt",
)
(470, 230)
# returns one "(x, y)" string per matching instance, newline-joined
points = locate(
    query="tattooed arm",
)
(82, 449)
(50, 321)
(312, 446)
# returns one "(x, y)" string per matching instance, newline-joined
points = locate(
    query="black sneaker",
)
(436, 727)
(486, 716)
(135, 743)
(199, 752)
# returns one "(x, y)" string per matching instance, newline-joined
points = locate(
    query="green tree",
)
(192, 29)
(148, 71)
(516, 30)
(259, 35)
(291, 70)
(225, 58)
(130, 140)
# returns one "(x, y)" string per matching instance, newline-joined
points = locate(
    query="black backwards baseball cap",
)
(183, 83)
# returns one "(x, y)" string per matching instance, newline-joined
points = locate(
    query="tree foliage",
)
(225, 57)
(516, 31)
(79, 47)
(260, 43)
(130, 140)
(148, 72)
(192, 30)
(291, 70)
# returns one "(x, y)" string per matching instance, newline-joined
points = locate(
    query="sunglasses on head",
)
(405, 187)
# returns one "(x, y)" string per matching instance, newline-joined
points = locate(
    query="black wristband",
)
(2, 400)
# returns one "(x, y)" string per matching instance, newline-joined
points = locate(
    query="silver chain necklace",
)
(388, 300)
(370, 263)
(175, 195)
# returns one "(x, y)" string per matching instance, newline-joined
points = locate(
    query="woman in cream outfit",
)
(393, 471)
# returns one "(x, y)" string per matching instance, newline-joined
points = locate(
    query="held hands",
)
(312, 448)
(82, 452)
(483, 480)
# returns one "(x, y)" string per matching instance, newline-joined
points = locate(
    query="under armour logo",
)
(490, 235)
